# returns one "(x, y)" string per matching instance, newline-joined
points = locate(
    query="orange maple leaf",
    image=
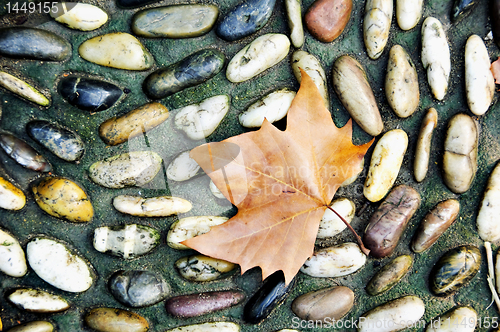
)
(281, 182)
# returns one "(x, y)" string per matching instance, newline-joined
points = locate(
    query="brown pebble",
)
(333, 302)
(115, 320)
(326, 19)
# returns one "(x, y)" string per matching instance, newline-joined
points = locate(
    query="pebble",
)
(23, 153)
(135, 168)
(34, 326)
(193, 305)
(38, 301)
(460, 153)
(388, 276)
(161, 206)
(272, 107)
(261, 54)
(81, 16)
(115, 320)
(326, 19)
(22, 89)
(396, 315)
(434, 224)
(138, 288)
(117, 50)
(351, 85)
(436, 56)
(268, 297)
(61, 141)
(127, 241)
(183, 168)
(479, 81)
(11, 197)
(336, 261)
(36, 44)
(376, 26)
(244, 19)
(459, 319)
(215, 191)
(388, 223)
(202, 268)
(462, 8)
(120, 129)
(332, 302)
(178, 21)
(454, 269)
(199, 121)
(89, 94)
(64, 199)
(53, 262)
(129, 4)
(190, 71)
(189, 227)
(331, 225)
(208, 327)
(386, 161)
(487, 223)
(12, 259)
(311, 65)
(423, 150)
(294, 15)
(408, 13)
(401, 83)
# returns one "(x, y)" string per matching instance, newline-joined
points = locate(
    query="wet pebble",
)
(330, 225)
(193, 305)
(459, 319)
(199, 121)
(11, 197)
(272, 107)
(326, 19)
(183, 168)
(23, 153)
(202, 268)
(178, 21)
(89, 94)
(35, 326)
(138, 288)
(61, 141)
(135, 168)
(115, 320)
(190, 71)
(388, 276)
(311, 65)
(487, 218)
(423, 150)
(12, 259)
(294, 15)
(80, 16)
(64, 199)
(36, 44)
(189, 227)
(208, 327)
(376, 26)
(23, 89)
(117, 50)
(336, 261)
(161, 206)
(332, 302)
(255, 14)
(56, 264)
(261, 54)
(38, 301)
(127, 241)
(408, 13)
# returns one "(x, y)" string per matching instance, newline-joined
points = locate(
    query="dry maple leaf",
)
(281, 182)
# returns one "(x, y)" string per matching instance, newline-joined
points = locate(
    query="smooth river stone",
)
(138, 288)
(294, 14)
(202, 268)
(272, 107)
(193, 305)
(117, 50)
(245, 19)
(332, 302)
(35, 326)
(326, 19)
(134, 3)
(12, 260)
(11, 197)
(179, 21)
(190, 71)
(115, 320)
(38, 301)
(183, 168)
(80, 16)
(53, 262)
(23, 153)
(261, 54)
(89, 94)
(36, 44)
(22, 89)
(208, 327)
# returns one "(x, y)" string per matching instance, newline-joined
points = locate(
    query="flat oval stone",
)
(89, 94)
(38, 301)
(202, 268)
(22, 89)
(128, 241)
(245, 19)
(376, 26)
(138, 288)
(312, 66)
(53, 262)
(12, 260)
(294, 15)
(423, 149)
(208, 327)
(179, 21)
(261, 54)
(190, 71)
(23, 153)
(389, 275)
(272, 107)
(330, 225)
(117, 50)
(36, 44)
(11, 197)
(115, 320)
(35, 326)
(326, 19)
(59, 140)
(134, 3)
(332, 302)
(183, 168)
(160, 206)
(487, 218)
(193, 305)
(459, 319)
(80, 16)
(189, 227)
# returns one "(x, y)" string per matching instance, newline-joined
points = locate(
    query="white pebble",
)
(215, 191)
(376, 26)
(39, 301)
(330, 225)
(408, 13)
(182, 168)
(12, 260)
(311, 65)
(423, 150)
(272, 107)
(187, 228)
(461, 319)
(488, 223)
(161, 206)
(294, 14)
(81, 16)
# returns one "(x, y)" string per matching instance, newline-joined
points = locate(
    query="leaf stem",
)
(360, 242)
